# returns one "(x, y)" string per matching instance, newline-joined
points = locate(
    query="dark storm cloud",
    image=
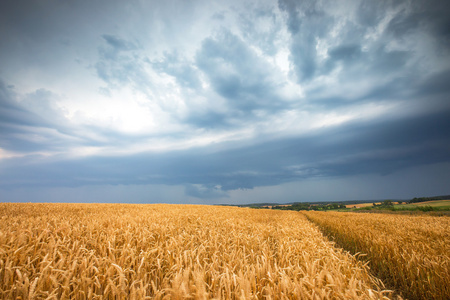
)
(387, 146)
(382, 146)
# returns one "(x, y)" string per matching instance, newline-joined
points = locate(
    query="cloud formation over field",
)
(215, 100)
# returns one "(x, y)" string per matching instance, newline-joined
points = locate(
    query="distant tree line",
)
(386, 203)
(423, 199)
(309, 206)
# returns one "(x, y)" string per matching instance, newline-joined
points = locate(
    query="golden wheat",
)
(411, 253)
(118, 251)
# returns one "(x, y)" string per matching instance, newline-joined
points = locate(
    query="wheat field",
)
(124, 251)
(410, 252)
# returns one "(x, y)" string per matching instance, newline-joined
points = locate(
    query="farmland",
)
(118, 251)
(125, 251)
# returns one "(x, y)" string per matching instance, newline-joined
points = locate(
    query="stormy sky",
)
(223, 101)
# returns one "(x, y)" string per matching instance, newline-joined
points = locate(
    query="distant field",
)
(436, 203)
(118, 251)
(360, 205)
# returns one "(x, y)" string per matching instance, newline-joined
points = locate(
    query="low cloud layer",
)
(212, 100)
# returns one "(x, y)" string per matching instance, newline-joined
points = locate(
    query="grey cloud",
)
(430, 16)
(35, 123)
(396, 88)
(13, 119)
(10, 111)
(402, 24)
(25, 18)
(261, 27)
(236, 73)
(118, 44)
(49, 35)
(17, 123)
(345, 52)
(183, 71)
(348, 54)
(209, 119)
(43, 103)
(219, 16)
(307, 22)
(205, 192)
(387, 83)
(303, 55)
(290, 7)
(39, 21)
(314, 20)
(436, 83)
(370, 13)
(120, 64)
(378, 61)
